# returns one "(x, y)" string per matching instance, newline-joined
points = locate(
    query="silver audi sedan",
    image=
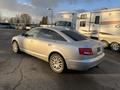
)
(63, 49)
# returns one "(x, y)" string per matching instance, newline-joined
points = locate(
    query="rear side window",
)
(74, 35)
(49, 34)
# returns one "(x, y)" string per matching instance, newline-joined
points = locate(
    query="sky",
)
(38, 8)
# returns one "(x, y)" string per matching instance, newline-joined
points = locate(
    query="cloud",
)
(17, 4)
(51, 3)
(8, 4)
(37, 8)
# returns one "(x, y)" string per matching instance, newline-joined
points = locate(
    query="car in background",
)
(64, 24)
(63, 49)
(34, 25)
(30, 26)
(4, 26)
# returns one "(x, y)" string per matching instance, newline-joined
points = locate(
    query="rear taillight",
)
(85, 51)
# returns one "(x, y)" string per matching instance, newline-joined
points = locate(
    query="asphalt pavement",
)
(25, 72)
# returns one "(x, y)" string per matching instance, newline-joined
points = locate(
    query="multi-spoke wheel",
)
(15, 47)
(115, 46)
(57, 63)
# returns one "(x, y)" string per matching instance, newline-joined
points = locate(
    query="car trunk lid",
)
(92, 48)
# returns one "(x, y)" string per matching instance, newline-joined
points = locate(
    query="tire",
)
(105, 43)
(57, 63)
(115, 46)
(15, 47)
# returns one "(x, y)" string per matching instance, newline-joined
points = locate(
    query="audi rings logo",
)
(117, 26)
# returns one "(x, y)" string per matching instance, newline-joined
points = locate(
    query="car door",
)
(95, 24)
(46, 39)
(28, 39)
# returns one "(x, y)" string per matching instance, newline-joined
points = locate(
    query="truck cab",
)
(64, 24)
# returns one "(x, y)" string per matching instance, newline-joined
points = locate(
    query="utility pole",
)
(50, 9)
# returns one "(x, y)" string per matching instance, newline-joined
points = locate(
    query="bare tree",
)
(1, 17)
(13, 20)
(81, 10)
(25, 19)
(103, 8)
(44, 20)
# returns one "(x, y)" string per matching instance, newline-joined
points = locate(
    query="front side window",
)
(74, 35)
(49, 34)
(33, 32)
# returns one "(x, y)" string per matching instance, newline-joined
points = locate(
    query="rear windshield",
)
(74, 35)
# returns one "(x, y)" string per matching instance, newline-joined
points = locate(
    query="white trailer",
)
(66, 19)
(103, 25)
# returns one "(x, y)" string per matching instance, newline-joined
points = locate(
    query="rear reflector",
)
(85, 51)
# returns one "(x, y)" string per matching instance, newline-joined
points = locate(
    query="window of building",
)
(83, 16)
(82, 23)
(97, 19)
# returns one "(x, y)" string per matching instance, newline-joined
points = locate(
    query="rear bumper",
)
(84, 64)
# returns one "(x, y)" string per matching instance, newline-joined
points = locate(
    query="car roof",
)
(58, 28)
(54, 28)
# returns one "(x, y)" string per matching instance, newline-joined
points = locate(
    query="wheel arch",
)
(19, 51)
(14, 40)
(115, 42)
(105, 41)
(53, 52)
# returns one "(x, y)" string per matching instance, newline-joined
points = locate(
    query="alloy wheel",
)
(57, 63)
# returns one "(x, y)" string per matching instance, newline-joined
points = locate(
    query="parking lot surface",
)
(24, 72)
